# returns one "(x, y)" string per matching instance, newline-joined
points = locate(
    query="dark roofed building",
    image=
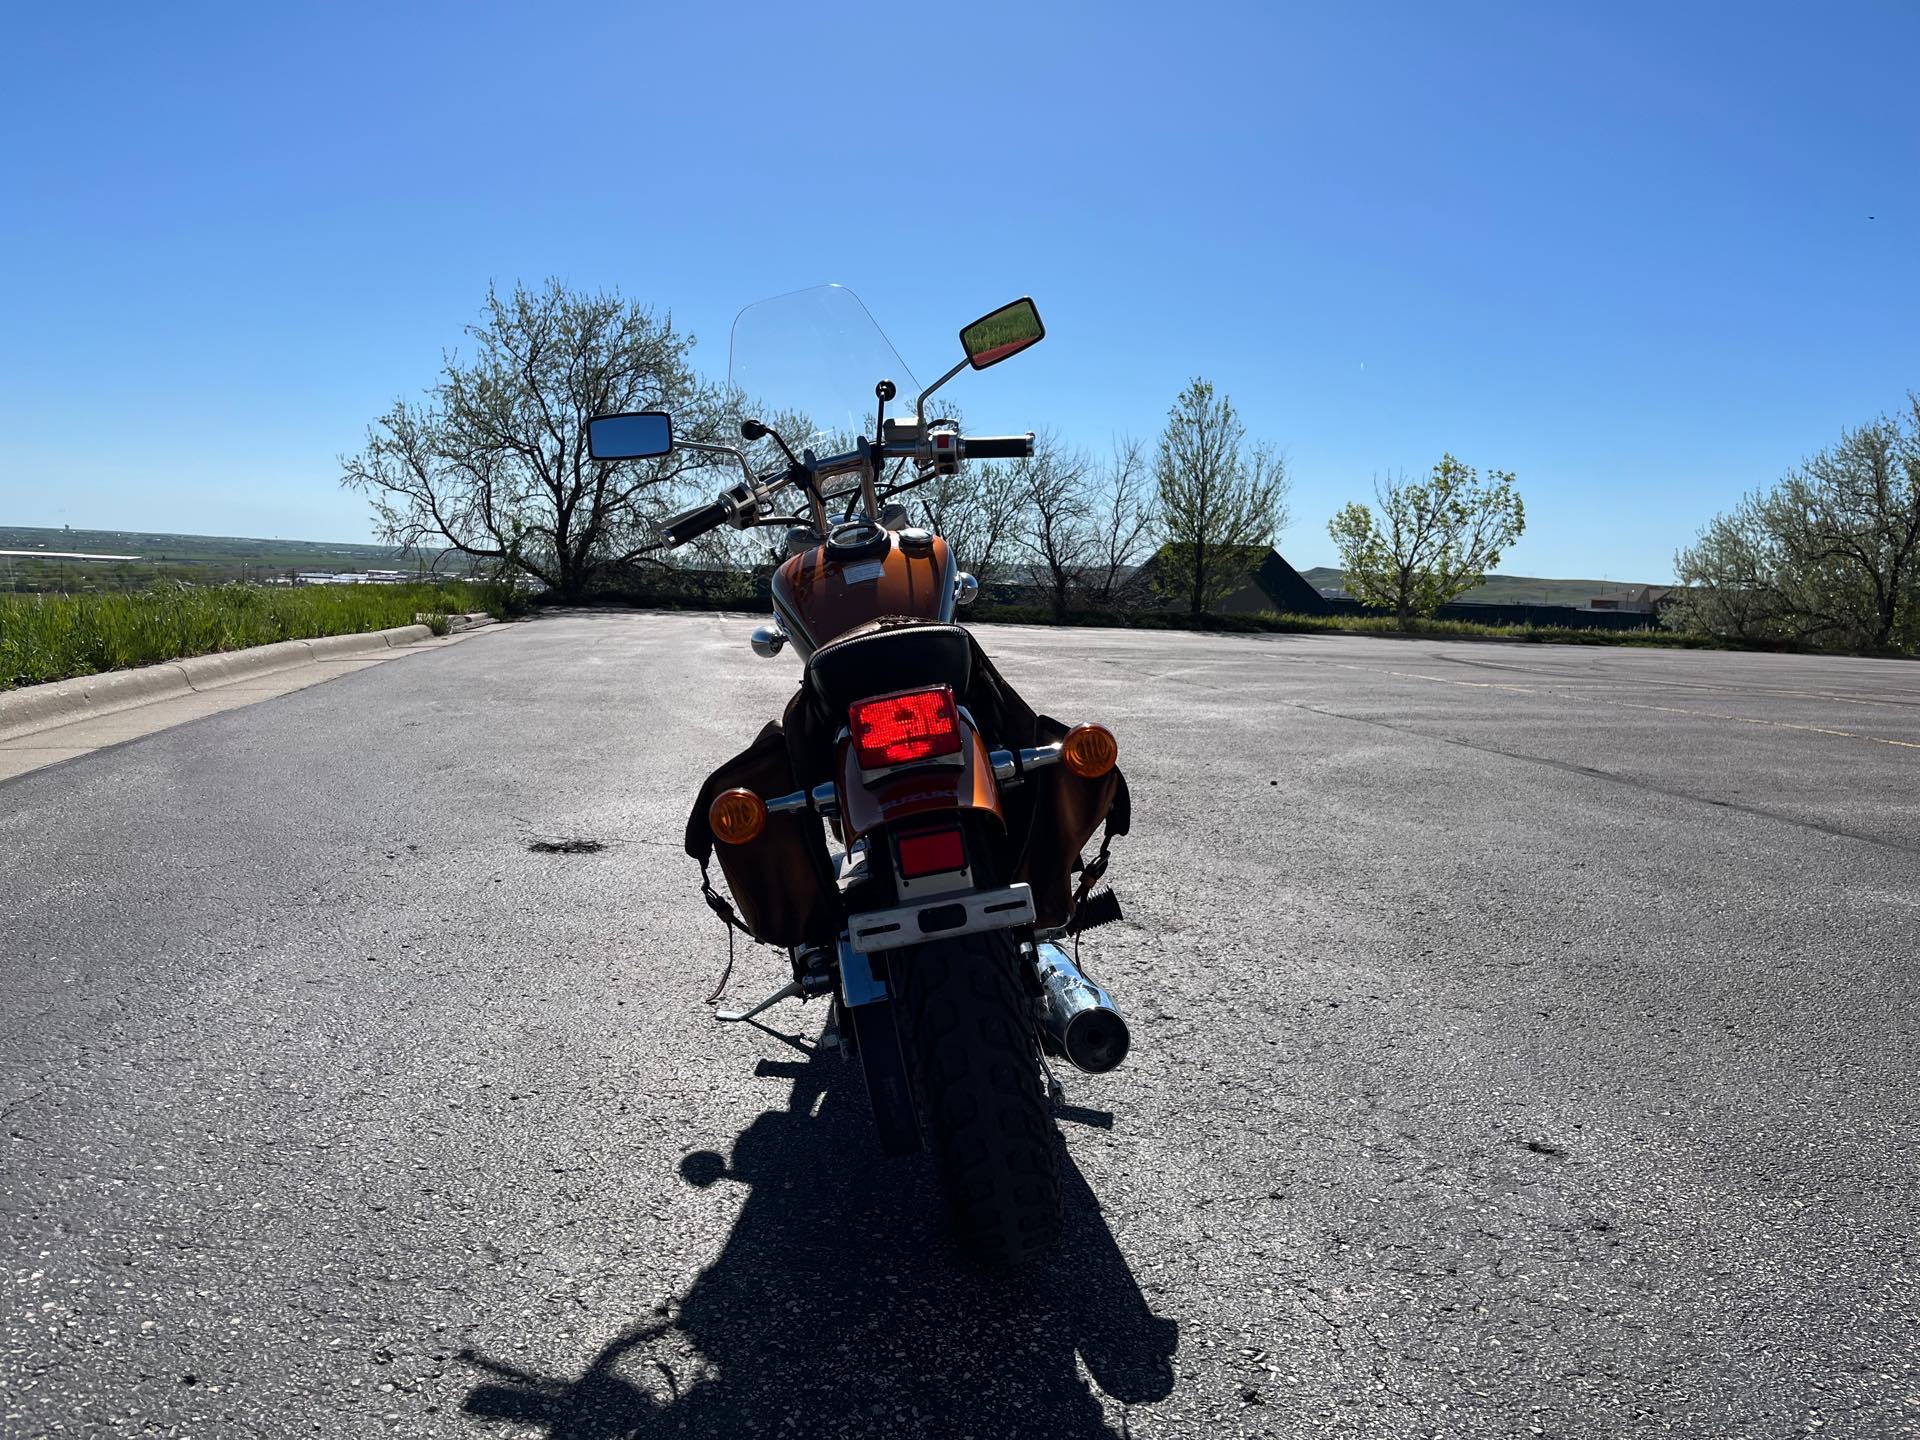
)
(1636, 600)
(1267, 582)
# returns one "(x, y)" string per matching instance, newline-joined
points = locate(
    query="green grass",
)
(53, 637)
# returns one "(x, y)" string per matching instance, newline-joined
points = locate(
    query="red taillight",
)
(931, 852)
(899, 729)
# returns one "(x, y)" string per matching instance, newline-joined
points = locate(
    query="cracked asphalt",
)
(1525, 1044)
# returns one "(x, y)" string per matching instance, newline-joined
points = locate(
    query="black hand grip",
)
(695, 523)
(998, 447)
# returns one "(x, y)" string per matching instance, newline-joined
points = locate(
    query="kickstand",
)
(785, 992)
(1056, 1092)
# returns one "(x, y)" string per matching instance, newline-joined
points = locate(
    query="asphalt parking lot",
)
(1525, 1043)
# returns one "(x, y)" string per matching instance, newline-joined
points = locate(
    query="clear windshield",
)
(810, 359)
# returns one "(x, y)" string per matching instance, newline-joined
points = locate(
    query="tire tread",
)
(971, 1042)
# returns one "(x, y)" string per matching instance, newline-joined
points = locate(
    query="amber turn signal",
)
(1089, 751)
(737, 816)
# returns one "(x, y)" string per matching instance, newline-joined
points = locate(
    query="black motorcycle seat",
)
(884, 656)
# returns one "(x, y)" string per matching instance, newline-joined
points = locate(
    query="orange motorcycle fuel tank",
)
(826, 591)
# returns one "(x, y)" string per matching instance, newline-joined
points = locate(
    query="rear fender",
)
(866, 803)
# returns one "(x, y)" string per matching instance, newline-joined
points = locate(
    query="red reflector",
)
(898, 729)
(932, 852)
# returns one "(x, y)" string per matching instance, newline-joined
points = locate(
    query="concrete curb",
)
(459, 620)
(340, 647)
(86, 697)
(41, 707)
(223, 667)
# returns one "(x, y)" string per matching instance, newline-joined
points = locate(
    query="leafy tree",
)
(1216, 495)
(493, 462)
(1829, 556)
(1431, 541)
(1729, 574)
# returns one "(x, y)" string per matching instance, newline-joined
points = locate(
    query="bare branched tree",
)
(493, 463)
(1058, 537)
(1124, 521)
(979, 510)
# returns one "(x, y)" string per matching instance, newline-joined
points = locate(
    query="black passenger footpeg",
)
(1102, 908)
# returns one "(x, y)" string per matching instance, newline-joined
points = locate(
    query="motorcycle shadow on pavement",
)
(838, 1306)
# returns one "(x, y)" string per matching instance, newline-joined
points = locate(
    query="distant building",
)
(353, 577)
(1636, 600)
(1265, 581)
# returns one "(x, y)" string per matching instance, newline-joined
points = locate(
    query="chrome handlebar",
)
(932, 450)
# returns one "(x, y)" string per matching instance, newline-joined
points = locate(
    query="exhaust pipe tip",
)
(1096, 1041)
(1078, 1018)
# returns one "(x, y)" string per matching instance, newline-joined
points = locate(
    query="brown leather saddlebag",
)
(1066, 811)
(782, 883)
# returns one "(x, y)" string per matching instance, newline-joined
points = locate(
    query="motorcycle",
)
(938, 924)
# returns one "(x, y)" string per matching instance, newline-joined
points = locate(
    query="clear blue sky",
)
(1621, 250)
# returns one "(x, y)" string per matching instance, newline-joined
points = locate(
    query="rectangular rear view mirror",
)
(638, 436)
(1007, 331)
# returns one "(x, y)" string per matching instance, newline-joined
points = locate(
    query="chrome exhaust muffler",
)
(1079, 1019)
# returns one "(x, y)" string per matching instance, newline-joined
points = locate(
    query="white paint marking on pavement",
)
(1633, 705)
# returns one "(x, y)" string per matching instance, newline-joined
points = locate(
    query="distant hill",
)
(1505, 589)
(203, 559)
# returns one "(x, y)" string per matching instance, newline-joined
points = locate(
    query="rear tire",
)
(969, 1027)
